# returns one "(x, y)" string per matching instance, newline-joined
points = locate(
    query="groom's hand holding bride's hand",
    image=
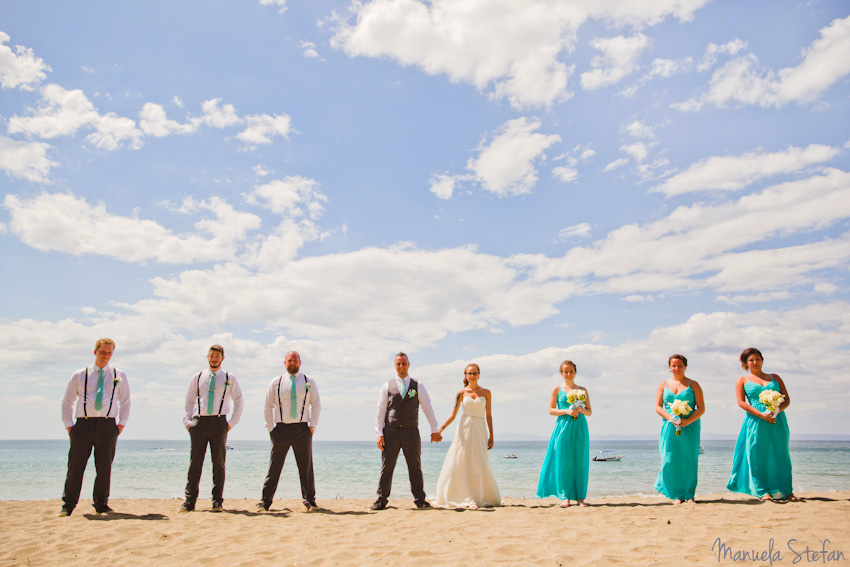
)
(436, 437)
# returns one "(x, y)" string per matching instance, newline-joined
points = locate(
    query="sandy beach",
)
(631, 531)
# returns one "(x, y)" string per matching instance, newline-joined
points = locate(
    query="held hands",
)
(436, 437)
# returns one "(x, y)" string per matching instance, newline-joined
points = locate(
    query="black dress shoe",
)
(103, 509)
(423, 504)
(65, 511)
(217, 507)
(310, 506)
(261, 507)
(378, 505)
(187, 506)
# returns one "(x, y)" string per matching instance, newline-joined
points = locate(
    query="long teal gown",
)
(567, 463)
(762, 461)
(677, 479)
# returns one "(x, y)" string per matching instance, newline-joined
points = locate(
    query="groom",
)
(397, 428)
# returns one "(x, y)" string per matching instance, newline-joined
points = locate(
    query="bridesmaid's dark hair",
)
(746, 354)
(680, 357)
(465, 381)
(570, 362)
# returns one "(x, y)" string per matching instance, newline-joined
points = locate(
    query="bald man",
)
(291, 414)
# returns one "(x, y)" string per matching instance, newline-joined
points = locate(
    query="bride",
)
(467, 478)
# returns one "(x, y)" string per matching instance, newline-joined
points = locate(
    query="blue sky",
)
(510, 183)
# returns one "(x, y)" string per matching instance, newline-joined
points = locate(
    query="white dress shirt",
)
(233, 397)
(279, 401)
(424, 401)
(115, 388)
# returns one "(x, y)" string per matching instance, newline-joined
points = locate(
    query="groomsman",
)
(211, 395)
(291, 414)
(100, 393)
(397, 428)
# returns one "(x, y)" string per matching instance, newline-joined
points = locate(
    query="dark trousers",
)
(300, 438)
(100, 434)
(406, 440)
(212, 430)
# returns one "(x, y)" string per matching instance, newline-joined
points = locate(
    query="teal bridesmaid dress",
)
(567, 463)
(677, 479)
(762, 461)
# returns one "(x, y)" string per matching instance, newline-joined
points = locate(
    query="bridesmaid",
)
(761, 466)
(567, 463)
(677, 479)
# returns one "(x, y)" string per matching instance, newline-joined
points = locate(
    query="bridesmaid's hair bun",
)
(746, 354)
(571, 363)
(680, 357)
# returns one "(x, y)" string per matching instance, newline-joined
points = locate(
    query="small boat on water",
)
(228, 447)
(511, 456)
(606, 456)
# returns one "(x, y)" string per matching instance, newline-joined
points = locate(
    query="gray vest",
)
(402, 413)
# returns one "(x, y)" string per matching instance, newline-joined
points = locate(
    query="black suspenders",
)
(86, 387)
(198, 386)
(280, 401)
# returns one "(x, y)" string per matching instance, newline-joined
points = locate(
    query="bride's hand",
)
(490, 443)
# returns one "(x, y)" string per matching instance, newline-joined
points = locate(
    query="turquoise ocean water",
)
(35, 470)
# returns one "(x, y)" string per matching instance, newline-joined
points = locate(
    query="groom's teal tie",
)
(98, 401)
(402, 387)
(293, 400)
(211, 396)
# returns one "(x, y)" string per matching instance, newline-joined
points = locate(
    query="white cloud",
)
(666, 68)
(713, 50)
(731, 173)
(619, 59)
(292, 196)
(154, 122)
(742, 81)
(281, 4)
(20, 69)
(637, 129)
(619, 162)
(62, 223)
(565, 174)
(25, 160)
(826, 287)
(217, 115)
(580, 230)
(308, 49)
(514, 48)
(506, 166)
(63, 113)
(638, 151)
(260, 128)
(443, 185)
(747, 298)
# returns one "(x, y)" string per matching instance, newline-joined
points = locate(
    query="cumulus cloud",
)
(292, 196)
(618, 59)
(281, 4)
(154, 122)
(62, 222)
(443, 185)
(731, 173)
(25, 160)
(63, 112)
(714, 50)
(308, 50)
(514, 49)
(20, 69)
(743, 81)
(261, 128)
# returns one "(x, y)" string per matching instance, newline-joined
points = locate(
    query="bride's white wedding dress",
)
(467, 477)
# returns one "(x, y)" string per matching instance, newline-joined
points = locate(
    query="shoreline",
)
(642, 531)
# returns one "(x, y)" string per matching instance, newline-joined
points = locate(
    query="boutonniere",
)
(228, 382)
(307, 386)
(411, 393)
(117, 380)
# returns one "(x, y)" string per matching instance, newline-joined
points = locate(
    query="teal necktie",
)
(293, 400)
(211, 395)
(98, 400)
(402, 388)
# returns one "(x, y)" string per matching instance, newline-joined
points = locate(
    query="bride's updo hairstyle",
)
(465, 381)
(570, 363)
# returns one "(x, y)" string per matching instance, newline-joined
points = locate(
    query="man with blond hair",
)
(96, 395)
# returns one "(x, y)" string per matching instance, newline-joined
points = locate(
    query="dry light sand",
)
(624, 531)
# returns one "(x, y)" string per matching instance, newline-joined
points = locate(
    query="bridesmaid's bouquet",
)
(772, 400)
(679, 408)
(576, 398)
